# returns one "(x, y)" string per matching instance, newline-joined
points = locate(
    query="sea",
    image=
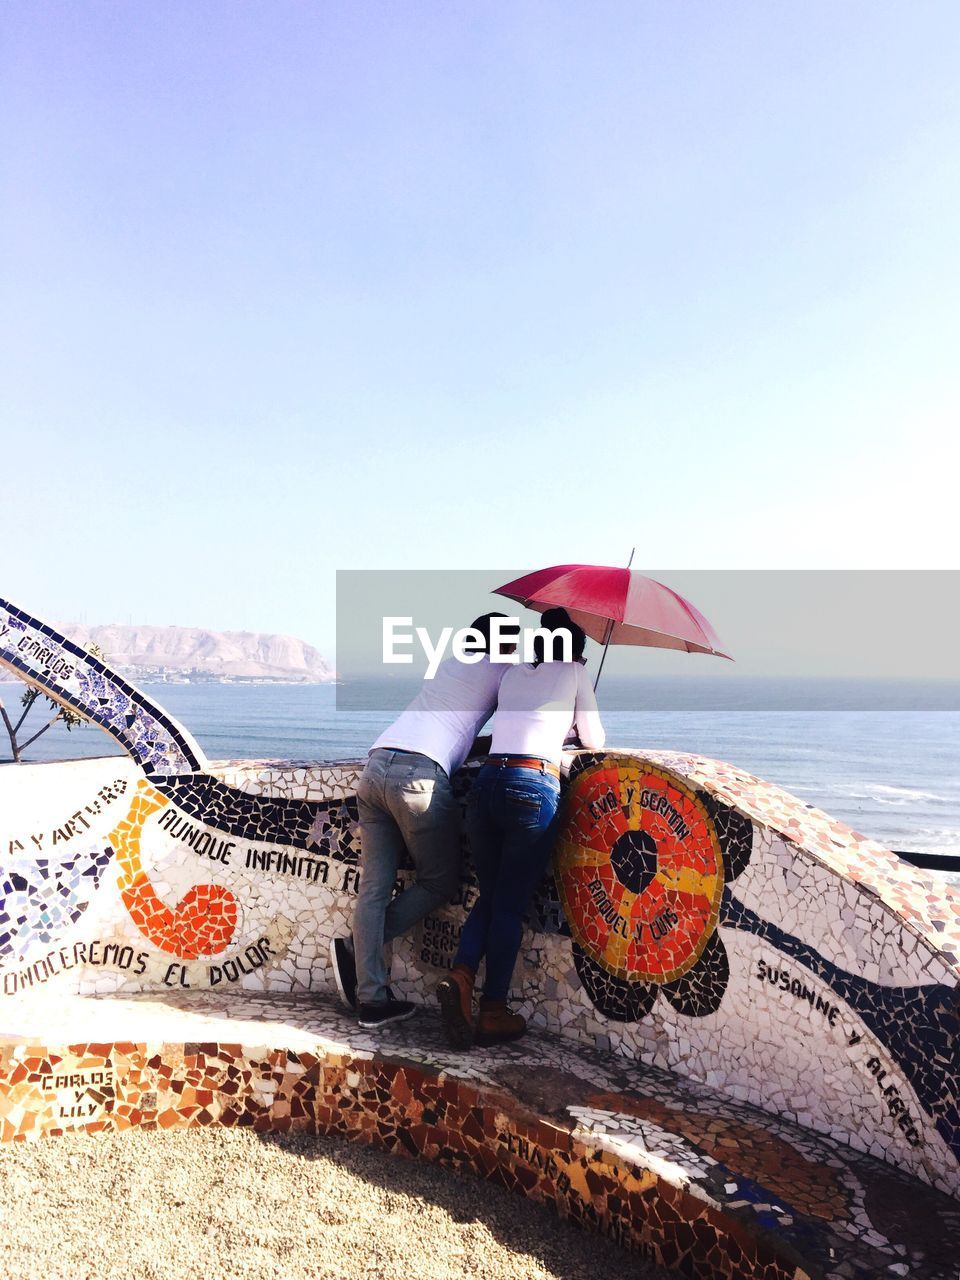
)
(882, 756)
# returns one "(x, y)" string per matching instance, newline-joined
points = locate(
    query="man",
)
(405, 801)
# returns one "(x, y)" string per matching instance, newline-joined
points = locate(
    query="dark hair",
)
(558, 620)
(482, 624)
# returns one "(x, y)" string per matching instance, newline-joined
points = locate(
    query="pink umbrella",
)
(617, 606)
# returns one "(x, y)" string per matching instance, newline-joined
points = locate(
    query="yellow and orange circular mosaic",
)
(639, 869)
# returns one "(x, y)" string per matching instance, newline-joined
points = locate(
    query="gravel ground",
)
(226, 1204)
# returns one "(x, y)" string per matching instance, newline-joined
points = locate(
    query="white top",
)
(539, 705)
(448, 712)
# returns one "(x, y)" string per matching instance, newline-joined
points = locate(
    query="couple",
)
(406, 800)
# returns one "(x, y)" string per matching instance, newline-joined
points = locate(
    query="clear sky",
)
(297, 287)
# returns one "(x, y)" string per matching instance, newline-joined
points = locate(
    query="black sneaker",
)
(372, 1016)
(344, 971)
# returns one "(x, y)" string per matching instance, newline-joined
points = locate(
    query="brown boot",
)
(455, 994)
(496, 1024)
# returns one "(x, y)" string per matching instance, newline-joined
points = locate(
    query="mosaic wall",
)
(700, 921)
(47, 660)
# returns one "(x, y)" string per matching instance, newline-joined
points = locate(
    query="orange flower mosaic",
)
(202, 923)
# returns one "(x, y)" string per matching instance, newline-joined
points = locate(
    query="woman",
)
(511, 821)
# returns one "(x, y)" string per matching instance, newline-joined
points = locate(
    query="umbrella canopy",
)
(617, 606)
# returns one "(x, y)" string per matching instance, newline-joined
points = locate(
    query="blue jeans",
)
(405, 801)
(511, 821)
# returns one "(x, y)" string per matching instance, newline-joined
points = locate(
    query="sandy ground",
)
(224, 1204)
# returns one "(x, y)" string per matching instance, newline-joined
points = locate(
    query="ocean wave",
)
(875, 793)
(908, 793)
(936, 840)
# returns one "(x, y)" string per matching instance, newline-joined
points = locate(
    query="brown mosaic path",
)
(679, 1174)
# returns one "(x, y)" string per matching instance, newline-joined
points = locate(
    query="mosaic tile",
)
(669, 1168)
(52, 663)
(196, 889)
(700, 923)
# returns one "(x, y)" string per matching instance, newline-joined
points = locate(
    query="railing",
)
(931, 861)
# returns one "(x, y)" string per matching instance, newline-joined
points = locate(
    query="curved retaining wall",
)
(701, 920)
(666, 1167)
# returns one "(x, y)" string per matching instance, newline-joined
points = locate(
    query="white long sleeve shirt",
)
(448, 712)
(537, 707)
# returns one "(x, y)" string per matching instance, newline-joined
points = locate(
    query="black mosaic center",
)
(634, 860)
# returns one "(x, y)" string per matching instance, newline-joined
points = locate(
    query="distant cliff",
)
(195, 654)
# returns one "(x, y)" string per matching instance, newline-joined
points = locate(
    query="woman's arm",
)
(586, 717)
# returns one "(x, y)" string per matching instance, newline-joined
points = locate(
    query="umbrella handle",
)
(609, 632)
(606, 645)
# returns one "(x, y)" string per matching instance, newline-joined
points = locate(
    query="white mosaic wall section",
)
(291, 779)
(801, 1051)
(853, 929)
